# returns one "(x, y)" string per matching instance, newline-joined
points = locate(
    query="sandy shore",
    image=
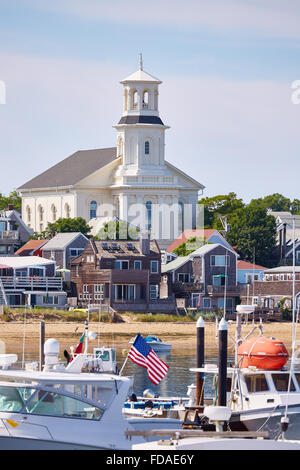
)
(181, 335)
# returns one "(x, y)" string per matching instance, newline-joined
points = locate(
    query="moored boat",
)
(156, 344)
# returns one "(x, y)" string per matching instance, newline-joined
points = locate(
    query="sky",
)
(227, 67)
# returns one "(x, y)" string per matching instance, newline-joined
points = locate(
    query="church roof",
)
(141, 76)
(72, 169)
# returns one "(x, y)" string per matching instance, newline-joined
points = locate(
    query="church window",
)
(145, 99)
(93, 209)
(67, 211)
(147, 147)
(148, 215)
(54, 212)
(28, 212)
(41, 213)
(134, 99)
(180, 217)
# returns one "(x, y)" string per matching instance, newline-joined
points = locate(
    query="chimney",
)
(145, 243)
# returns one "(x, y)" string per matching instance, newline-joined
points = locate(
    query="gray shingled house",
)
(64, 247)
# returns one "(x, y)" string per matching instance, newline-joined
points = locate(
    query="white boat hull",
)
(196, 443)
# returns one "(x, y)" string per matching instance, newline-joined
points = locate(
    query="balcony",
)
(9, 235)
(220, 290)
(32, 283)
(129, 276)
(179, 287)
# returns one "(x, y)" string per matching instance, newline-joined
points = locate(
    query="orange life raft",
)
(262, 353)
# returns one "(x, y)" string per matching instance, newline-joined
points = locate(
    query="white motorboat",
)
(156, 344)
(63, 407)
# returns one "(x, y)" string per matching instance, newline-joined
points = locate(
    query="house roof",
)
(29, 247)
(72, 169)
(176, 263)
(127, 248)
(249, 266)
(198, 233)
(209, 247)
(282, 269)
(61, 240)
(203, 250)
(23, 261)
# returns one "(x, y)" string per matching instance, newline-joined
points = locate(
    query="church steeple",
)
(140, 139)
(141, 95)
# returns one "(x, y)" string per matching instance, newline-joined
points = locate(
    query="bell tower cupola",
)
(140, 96)
(140, 139)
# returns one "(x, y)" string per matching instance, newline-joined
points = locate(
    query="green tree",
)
(275, 202)
(185, 248)
(12, 198)
(78, 224)
(118, 230)
(295, 206)
(253, 234)
(217, 206)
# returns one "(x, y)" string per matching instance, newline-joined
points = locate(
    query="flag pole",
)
(125, 362)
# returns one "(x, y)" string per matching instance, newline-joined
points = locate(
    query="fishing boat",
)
(62, 406)
(218, 439)
(156, 344)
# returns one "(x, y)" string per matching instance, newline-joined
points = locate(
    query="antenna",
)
(140, 61)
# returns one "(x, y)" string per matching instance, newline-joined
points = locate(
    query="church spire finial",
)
(141, 61)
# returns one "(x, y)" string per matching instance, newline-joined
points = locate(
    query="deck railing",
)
(32, 282)
(9, 235)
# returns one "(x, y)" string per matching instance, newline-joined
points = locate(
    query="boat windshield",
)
(43, 402)
(153, 338)
(256, 383)
(281, 382)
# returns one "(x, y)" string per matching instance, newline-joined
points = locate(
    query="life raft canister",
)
(262, 353)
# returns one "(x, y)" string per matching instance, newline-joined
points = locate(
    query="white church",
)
(131, 181)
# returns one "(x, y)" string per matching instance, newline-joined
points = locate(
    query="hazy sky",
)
(227, 67)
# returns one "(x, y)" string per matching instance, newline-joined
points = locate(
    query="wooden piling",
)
(200, 361)
(222, 381)
(42, 342)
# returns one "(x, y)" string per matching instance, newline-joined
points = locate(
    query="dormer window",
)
(147, 147)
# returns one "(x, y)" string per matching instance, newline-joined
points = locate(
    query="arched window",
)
(145, 99)
(180, 217)
(134, 99)
(67, 211)
(28, 213)
(41, 213)
(148, 215)
(147, 147)
(93, 209)
(54, 212)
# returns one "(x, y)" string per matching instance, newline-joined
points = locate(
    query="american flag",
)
(141, 353)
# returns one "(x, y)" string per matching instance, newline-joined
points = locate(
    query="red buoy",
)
(262, 353)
